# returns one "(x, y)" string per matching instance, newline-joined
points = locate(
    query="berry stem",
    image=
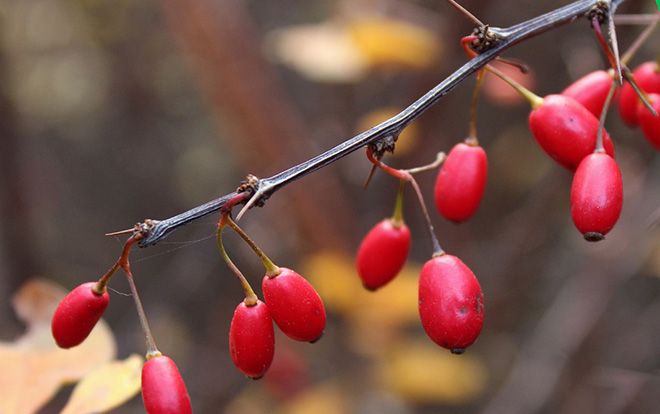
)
(474, 103)
(466, 13)
(639, 41)
(534, 100)
(439, 159)
(272, 269)
(603, 117)
(640, 93)
(101, 285)
(250, 296)
(404, 175)
(397, 216)
(152, 349)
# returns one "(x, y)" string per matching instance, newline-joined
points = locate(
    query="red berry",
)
(647, 76)
(77, 314)
(163, 389)
(596, 196)
(294, 305)
(650, 124)
(591, 91)
(451, 304)
(382, 253)
(566, 130)
(461, 182)
(252, 339)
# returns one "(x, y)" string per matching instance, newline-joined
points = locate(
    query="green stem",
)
(250, 296)
(534, 100)
(397, 216)
(272, 269)
(472, 125)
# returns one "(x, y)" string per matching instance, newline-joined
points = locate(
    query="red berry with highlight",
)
(382, 253)
(252, 339)
(566, 130)
(77, 314)
(163, 389)
(461, 181)
(591, 91)
(596, 196)
(647, 76)
(650, 124)
(451, 304)
(294, 305)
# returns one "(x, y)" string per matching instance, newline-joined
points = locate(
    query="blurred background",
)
(116, 111)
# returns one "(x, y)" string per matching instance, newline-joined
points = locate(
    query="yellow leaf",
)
(33, 367)
(407, 139)
(321, 52)
(422, 372)
(106, 387)
(325, 398)
(386, 41)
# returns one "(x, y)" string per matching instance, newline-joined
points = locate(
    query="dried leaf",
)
(106, 387)
(33, 367)
(323, 52)
(422, 372)
(325, 398)
(386, 41)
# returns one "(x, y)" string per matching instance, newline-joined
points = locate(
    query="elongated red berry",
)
(650, 124)
(252, 339)
(77, 314)
(382, 253)
(591, 90)
(294, 305)
(461, 181)
(596, 196)
(566, 130)
(163, 389)
(647, 76)
(451, 304)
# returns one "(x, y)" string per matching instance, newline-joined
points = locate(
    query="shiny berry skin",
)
(647, 76)
(451, 304)
(596, 196)
(252, 339)
(650, 124)
(566, 130)
(461, 181)
(382, 253)
(77, 314)
(294, 305)
(591, 90)
(163, 389)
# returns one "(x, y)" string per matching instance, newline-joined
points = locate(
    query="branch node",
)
(600, 11)
(485, 39)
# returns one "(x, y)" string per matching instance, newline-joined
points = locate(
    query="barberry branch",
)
(494, 41)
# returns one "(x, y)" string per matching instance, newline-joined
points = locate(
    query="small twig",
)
(639, 41)
(636, 19)
(466, 13)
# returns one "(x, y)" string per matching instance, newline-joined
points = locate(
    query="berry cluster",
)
(289, 300)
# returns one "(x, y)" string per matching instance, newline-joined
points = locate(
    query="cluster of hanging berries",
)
(163, 389)
(289, 300)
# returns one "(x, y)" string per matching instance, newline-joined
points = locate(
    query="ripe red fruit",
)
(566, 130)
(461, 182)
(596, 196)
(382, 253)
(647, 76)
(163, 389)
(294, 305)
(451, 304)
(591, 90)
(77, 314)
(252, 339)
(650, 124)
